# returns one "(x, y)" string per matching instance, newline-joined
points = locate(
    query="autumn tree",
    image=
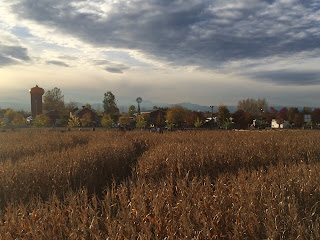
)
(141, 122)
(223, 115)
(9, 114)
(18, 120)
(248, 119)
(65, 113)
(315, 116)
(282, 115)
(86, 119)
(107, 121)
(241, 119)
(146, 118)
(271, 115)
(2, 112)
(298, 120)
(53, 100)
(2, 123)
(41, 120)
(74, 122)
(110, 106)
(193, 116)
(177, 115)
(125, 120)
(292, 113)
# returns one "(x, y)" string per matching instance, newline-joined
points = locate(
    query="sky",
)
(165, 51)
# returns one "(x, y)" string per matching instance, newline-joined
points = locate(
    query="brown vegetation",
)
(201, 185)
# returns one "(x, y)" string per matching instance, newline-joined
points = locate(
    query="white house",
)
(274, 124)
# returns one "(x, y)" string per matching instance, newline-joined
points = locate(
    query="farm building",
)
(157, 117)
(54, 116)
(79, 113)
(275, 124)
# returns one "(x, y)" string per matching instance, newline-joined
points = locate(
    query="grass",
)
(191, 185)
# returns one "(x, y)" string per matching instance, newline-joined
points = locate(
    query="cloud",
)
(10, 55)
(111, 67)
(207, 33)
(114, 70)
(5, 61)
(58, 63)
(71, 58)
(288, 77)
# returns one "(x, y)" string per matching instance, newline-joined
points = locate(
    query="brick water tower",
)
(36, 100)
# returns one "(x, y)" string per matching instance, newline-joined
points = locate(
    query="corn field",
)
(177, 185)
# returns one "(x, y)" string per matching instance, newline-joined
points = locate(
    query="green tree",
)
(198, 123)
(110, 106)
(141, 122)
(227, 123)
(106, 121)
(65, 114)
(18, 120)
(132, 110)
(2, 112)
(74, 122)
(177, 115)
(2, 123)
(86, 120)
(69, 107)
(53, 100)
(88, 105)
(160, 108)
(124, 120)
(147, 118)
(10, 113)
(41, 120)
(223, 115)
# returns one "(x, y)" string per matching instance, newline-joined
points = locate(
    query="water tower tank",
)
(36, 100)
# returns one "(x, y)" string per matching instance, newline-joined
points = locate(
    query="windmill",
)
(139, 100)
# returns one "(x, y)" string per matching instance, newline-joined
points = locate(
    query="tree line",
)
(176, 116)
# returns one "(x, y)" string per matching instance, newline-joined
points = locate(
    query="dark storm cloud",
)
(10, 55)
(288, 77)
(192, 32)
(58, 63)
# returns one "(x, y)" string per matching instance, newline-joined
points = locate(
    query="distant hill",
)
(15, 105)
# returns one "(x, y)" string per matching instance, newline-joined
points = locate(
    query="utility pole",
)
(211, 116)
